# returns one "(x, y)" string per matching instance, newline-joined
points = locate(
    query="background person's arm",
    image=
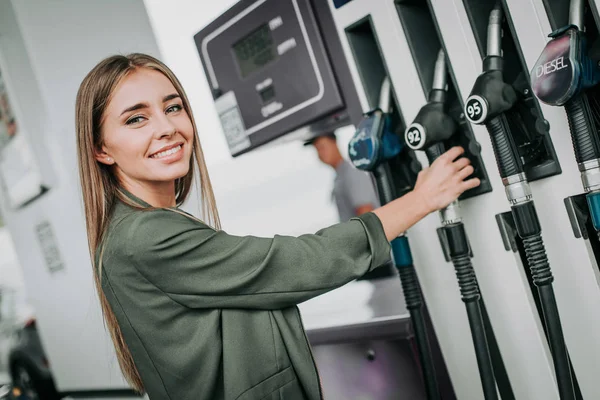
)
(363, 209)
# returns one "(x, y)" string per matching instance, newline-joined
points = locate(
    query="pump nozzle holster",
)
(491, 96)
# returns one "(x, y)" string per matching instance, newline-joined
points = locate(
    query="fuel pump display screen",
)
(269, 70)
(255, 50)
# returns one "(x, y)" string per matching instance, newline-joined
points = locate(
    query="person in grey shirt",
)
(353, 189)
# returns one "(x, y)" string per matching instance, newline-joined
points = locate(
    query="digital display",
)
(255, 50)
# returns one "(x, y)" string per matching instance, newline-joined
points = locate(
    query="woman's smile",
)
(169, 154)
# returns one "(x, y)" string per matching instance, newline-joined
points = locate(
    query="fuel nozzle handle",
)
(492, 97)
(432, 125)
(373, 142)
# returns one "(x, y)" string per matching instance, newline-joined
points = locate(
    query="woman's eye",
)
(174, 108)
(134, 120)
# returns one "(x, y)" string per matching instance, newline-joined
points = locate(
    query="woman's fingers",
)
(469, 184)
(461, 163)
(452, 154)
(465, 172)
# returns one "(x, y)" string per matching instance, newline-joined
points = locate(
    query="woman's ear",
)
(103, 157)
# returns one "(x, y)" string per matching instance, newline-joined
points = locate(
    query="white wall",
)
(46, 48)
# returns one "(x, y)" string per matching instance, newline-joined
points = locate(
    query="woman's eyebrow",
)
(138, 106)
(170, 97)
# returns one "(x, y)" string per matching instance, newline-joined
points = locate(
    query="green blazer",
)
(208, 315)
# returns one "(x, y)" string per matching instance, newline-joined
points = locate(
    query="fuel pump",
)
(488, 104)
(431, 127)
(371, 149)
(560, 77)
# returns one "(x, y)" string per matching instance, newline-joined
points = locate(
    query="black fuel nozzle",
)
(433, 125)
(491, 96)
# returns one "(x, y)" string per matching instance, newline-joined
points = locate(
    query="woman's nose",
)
(164, 127)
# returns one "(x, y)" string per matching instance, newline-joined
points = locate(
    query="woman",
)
(195, 313)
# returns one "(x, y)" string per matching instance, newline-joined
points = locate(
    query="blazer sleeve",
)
(201, 267)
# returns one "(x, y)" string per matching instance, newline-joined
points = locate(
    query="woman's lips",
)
(171, 155)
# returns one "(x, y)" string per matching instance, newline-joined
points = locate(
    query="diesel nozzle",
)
(560, 77)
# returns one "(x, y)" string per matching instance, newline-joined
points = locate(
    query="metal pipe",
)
(385, 95)
(576, 13)
(494, 39)
(440, 74)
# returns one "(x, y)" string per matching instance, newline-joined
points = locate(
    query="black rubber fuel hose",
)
(507, 154)
(414, 304)
(484, 362)
(542, 278)
(384, 184)
(586, 143)
(469, 290)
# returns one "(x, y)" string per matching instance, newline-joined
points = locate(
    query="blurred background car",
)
(23, 361)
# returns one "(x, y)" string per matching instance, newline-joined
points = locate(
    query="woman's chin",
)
(172, 176)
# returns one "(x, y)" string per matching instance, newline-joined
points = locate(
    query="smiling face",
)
(146, 134)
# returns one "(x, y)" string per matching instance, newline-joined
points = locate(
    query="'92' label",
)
(415, 136)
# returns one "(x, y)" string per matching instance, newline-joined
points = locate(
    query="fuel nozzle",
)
(432, 124)
(564, 68)
(374, 142)
(491, 96)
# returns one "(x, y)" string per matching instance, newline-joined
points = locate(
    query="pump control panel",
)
(267, 63)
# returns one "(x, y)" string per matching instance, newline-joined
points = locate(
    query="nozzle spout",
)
(494, 40)
(385, 95)
(440, 74)
(576, 13)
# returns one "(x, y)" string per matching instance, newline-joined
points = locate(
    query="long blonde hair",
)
(100, 185)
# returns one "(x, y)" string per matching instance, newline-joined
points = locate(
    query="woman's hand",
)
(442, 183)
(436, 187)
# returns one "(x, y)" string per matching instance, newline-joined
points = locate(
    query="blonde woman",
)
(196, 313)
